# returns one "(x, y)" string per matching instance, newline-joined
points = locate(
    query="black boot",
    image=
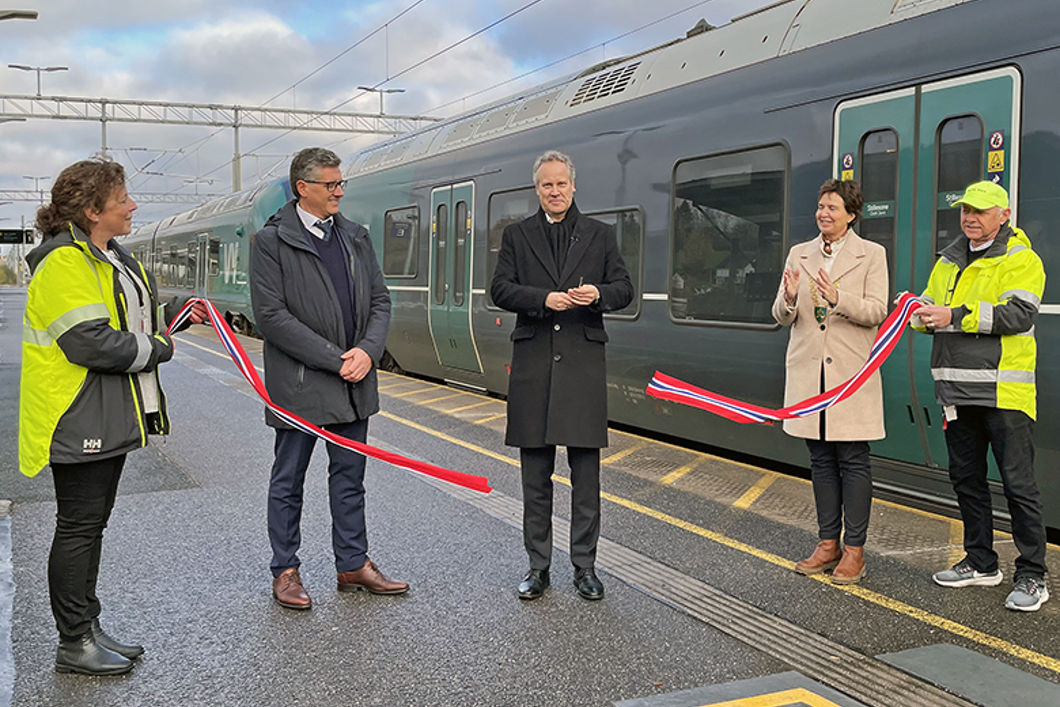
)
(129, 650)
(84, 655)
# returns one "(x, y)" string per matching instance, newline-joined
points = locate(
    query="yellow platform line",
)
(618, 456)
(956, 542)
(913, 612)
(472, 405)
(491, 418)
(682, 470)
(443, 397)
(407, 393)
(900, 607)
(396, 384)
(752, 494)
(796, 696)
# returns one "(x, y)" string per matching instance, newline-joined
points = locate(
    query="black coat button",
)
(828, 360)
(822, 327)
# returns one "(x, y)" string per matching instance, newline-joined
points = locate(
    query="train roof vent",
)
(605, 84)
(396, 152)
(374, 159)
(462, 130)
(419, 145)
(536, 108)
(495, 121)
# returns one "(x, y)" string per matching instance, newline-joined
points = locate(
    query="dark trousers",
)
(345, 491)
(84, 494)
(1009, 433)
(842, 489)
(537, 466)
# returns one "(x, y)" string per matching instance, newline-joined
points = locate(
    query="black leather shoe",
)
(129, 650)
(588, 585)
(85, 655)
(533, 585)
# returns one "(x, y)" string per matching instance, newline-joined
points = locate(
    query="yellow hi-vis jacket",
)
(80, 397)
(987, 355)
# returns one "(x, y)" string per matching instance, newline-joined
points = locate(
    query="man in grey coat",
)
(322, 307)
(559, 271)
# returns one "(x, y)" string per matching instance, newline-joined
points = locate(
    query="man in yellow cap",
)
(981, 303)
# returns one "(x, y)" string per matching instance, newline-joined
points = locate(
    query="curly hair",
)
(82, 185)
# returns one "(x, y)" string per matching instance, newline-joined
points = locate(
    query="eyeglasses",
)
(330, 186)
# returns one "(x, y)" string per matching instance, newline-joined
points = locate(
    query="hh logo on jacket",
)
(92, 446)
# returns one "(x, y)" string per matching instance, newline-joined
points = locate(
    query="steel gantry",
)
(140, 196)
(107, 110)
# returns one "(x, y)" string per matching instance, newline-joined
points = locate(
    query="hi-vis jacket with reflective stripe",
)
(80, 397)
(987, 355)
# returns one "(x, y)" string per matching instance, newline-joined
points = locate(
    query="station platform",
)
(697, 554)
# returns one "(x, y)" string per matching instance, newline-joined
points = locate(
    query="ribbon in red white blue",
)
(669, 388)
(246, 367)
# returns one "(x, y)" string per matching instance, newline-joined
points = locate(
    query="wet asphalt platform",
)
(702, 605)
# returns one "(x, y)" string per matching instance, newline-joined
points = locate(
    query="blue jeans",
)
(345, 491)
(842, 489)
(1010, 434)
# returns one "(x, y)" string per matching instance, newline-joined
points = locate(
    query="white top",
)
(138, 316)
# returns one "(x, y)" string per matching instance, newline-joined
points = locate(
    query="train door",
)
(201, 284)
(914, 150)
(451, 251)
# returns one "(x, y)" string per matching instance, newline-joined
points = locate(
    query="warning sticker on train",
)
(997, 140)
(848, 160)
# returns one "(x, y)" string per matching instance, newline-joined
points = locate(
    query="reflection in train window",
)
(960, 162)
(192, 269)
(505, 208)
(441, 223)
(461, 235)
(215, 257)
(728, 236)
(629, 230)
(401, 228)
(879, 186)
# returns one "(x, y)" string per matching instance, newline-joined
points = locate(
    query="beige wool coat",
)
(841, 343)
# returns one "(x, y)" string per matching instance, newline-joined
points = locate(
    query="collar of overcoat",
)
(580, 241)
(850, 256)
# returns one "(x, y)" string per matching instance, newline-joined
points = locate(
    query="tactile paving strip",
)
(862, 677)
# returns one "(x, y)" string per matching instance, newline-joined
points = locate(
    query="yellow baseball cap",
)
(984, 195)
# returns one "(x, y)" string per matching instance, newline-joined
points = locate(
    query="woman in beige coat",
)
(834, 294)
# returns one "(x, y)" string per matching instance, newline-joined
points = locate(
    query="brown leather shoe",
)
(369, 578)
(851, 568)
(288, 591)
(825, 556)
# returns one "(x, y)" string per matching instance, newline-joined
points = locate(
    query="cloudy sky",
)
(264, 52)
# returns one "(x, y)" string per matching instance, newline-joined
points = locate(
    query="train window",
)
(879, 186)
(728, 235)
(505, 208)
(176, 267)
(160, 265)
(629, 230)
(460, 238)
(959, 161)
(401, 229)
(192, 268)
(441, 223)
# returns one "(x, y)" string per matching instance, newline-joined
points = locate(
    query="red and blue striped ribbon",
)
(669, 388)
(246, 367)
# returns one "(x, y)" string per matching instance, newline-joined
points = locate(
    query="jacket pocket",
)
(522, 332)
(595, 333)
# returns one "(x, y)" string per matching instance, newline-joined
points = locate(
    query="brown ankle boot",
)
(825, 556)
(851, 568)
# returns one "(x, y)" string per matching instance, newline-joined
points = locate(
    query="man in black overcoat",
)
(559, 271)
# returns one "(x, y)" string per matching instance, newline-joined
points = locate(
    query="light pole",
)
(38, 69)
(380, 91)
(36, 185)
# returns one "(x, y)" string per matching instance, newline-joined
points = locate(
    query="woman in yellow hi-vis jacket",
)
(89, 392)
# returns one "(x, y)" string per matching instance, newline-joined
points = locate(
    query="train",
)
(705, 154)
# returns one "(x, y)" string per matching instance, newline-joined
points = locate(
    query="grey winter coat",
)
(297, 312)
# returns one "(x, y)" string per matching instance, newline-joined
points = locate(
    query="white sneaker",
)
(1028, 595)
(963, 574)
